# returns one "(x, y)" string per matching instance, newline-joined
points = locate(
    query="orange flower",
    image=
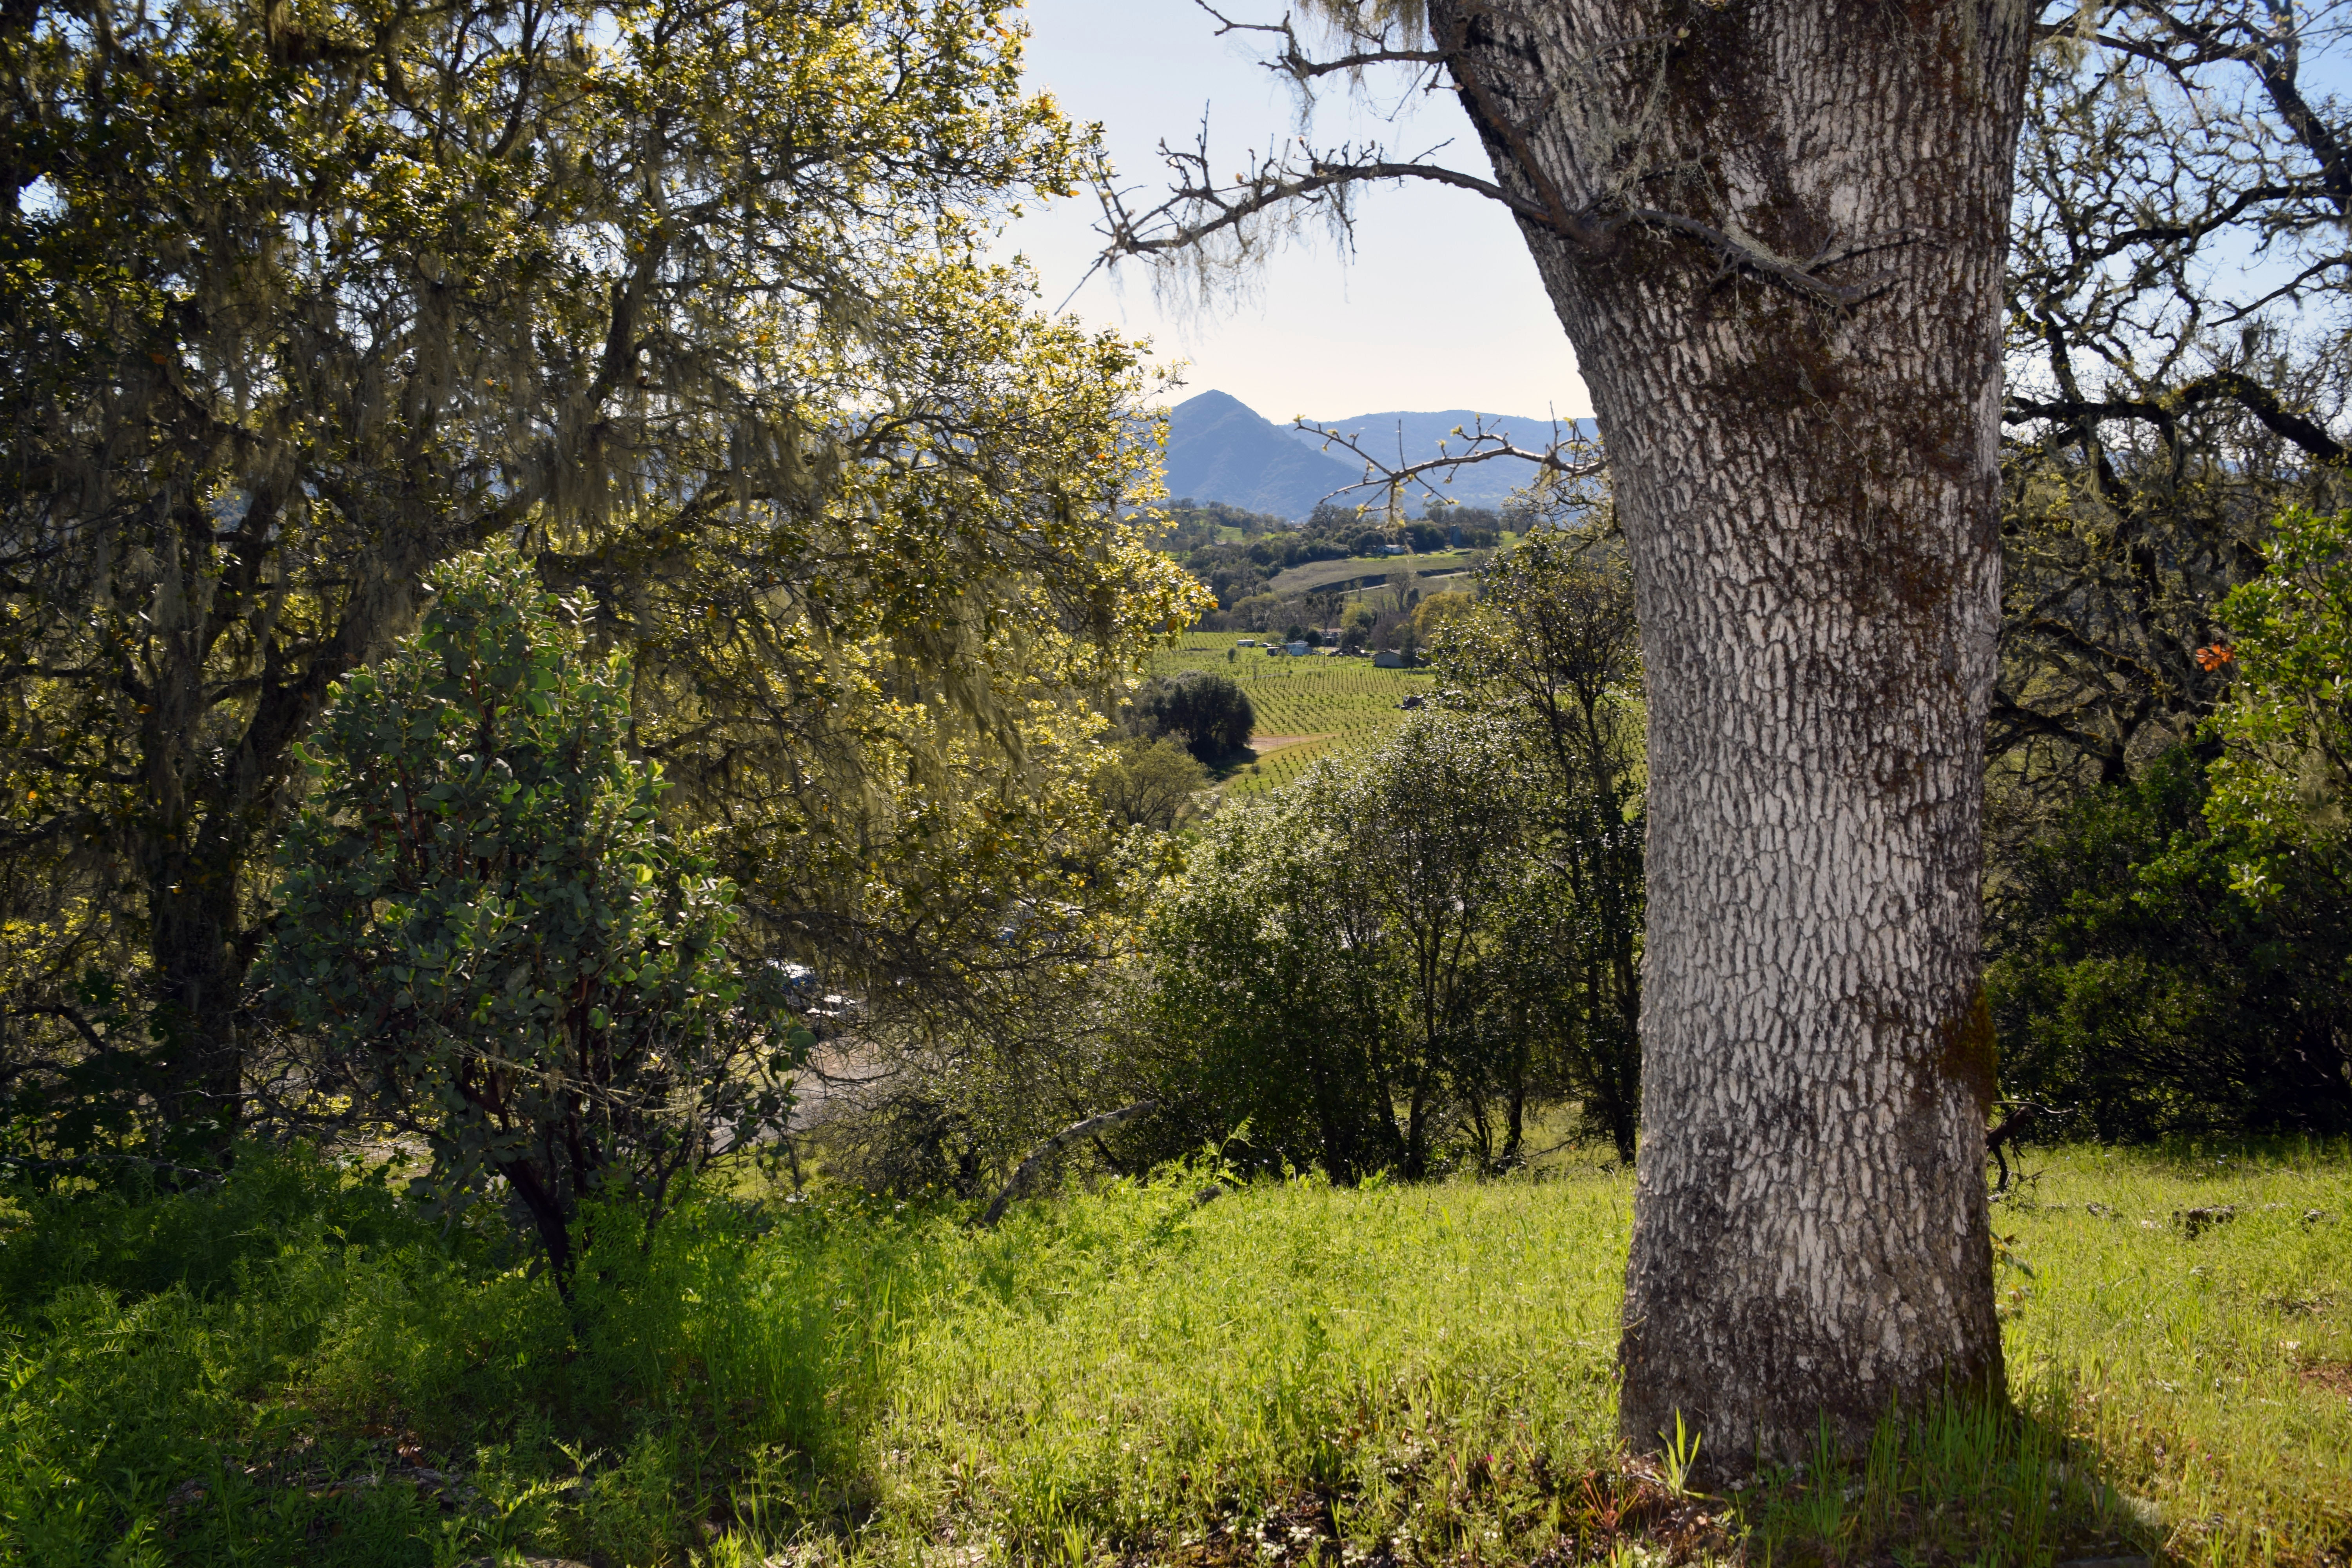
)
(2215, 655)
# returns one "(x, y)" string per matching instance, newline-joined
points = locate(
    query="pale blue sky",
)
(1438, 308)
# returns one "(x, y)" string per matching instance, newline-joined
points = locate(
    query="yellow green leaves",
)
(686, 302)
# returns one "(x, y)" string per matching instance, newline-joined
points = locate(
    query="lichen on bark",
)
(1807, 490)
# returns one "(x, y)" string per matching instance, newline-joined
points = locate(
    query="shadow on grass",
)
(1962, 1484)
(1965, 1481)
(364, 1387)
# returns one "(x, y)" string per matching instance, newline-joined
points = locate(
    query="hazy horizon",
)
(1321, 331)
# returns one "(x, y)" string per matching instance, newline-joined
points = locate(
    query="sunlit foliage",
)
(687, 302)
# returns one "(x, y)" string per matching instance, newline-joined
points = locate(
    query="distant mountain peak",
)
(1220, 448)
(1213, 398)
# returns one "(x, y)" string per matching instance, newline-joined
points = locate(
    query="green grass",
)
(298, 1368)
(1345, 699)
(2214, 1374)
(1376, 569)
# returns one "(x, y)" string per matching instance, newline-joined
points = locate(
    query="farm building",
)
(1387, 660)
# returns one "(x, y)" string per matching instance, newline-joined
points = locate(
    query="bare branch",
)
(2275, 59)
(1484, 447)
(2228, 385)
(1296, 63)
(2027, 1114)
(1029, 1167)
(1197, 209)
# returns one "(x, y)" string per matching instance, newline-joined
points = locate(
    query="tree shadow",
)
(1967, 1480)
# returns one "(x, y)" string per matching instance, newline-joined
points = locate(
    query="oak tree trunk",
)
(212, 774)
(1808, 488)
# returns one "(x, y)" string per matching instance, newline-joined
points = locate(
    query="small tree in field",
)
(1327, 971)
(488, 933)
(1209, 714)
(1549, 646)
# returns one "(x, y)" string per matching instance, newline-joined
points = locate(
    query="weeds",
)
(297, 1368)
(1680, 1456)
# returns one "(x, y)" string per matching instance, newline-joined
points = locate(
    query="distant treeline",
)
(1239, 569)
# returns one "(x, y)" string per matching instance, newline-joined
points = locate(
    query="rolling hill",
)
(1219, 449)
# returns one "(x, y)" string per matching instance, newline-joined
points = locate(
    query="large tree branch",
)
(1199, 209)
(1479, 99)
(2225, 385)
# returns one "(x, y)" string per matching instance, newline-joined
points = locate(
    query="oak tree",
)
(685, 300)
(1774, 231)
(2177, 298)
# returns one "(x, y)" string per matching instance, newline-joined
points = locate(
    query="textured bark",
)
(1808, 492)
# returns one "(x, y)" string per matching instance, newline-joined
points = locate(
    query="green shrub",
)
(2283, 783)
(1331, 971)
(2138, 983)
(491, 936)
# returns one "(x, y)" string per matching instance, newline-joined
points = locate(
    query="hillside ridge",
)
(1220, 448)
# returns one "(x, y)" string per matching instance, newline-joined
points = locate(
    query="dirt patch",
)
(1262, 744)
(2328, 1376)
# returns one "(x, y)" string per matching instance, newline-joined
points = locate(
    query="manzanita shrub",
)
(492, 940)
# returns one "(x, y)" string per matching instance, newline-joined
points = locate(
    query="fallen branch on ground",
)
(1052, 1146)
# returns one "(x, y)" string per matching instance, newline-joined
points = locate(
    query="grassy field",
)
(1345, 701)
(298, 1369)
(2208, 1369)
(1318, 573)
